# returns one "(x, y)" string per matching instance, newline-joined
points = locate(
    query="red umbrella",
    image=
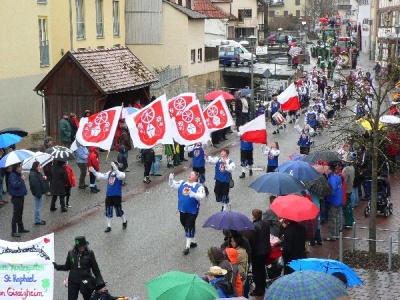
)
(295, 208)
(214, 94)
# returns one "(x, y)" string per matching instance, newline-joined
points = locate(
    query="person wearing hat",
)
(115, 178)
(101, 292)
(87, 113)
(190, 194)
(47, 169)
(216, 277)
(82, 265)
(348, 173)
(65, 130)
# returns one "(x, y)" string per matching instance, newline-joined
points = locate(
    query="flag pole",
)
(108, 153)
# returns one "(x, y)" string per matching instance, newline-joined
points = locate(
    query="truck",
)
(245, 55)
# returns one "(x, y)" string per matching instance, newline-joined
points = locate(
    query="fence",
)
(353, 239)
(167, 76)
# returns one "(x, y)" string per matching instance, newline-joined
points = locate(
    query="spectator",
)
(74, 123)
(82, 154)
(272, 219)
(65, 130)
(238, 109)
(148, 159)
(293, 245)
(59, 182)
(217, 279)
(93, 161)
(47, 143)
(155, 166)
(334, 201)
(38, 188)
(377, 68)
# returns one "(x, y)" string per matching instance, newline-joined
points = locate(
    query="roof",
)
(111, 70)
(187, 11)
(207, 8)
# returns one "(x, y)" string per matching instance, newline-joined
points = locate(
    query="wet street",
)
(153, 242)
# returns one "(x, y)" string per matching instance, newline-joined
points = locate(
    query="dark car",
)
(229, 56)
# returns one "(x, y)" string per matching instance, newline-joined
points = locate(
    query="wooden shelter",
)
(95, 80)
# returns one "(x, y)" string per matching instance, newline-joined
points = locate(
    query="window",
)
(116, 17)
(297, 13)
(244, 13)
(42, 1)
(80, 20)
(297, 2)
(193, 56)
(285, 13)
(43, 43)
(200, 55)
(99, 18)
(271, 13)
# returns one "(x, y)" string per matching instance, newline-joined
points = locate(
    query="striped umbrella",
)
(15, 157)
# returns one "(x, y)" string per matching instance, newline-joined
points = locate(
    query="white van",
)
(245, 55)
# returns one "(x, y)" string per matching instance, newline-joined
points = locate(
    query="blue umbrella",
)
(245, 92)
(229, 220)
(325, 155)
(299, 169)
(327, 266)
(306, 285)
(297, 156)
(15, 157)
(8, 139)
(277, 184)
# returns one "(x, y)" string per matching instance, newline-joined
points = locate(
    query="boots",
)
(146, 180)
(243, 175)
(97, 189)
(93, 190)
(251, 173)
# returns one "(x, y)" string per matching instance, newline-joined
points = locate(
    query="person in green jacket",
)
(65, 131)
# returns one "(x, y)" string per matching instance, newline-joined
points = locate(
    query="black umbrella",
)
(319, 186)
(61, 153)
(325, 155)
(14, 130)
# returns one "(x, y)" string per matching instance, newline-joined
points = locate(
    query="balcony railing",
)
(44, 53)
(167, 76)
(276, 3)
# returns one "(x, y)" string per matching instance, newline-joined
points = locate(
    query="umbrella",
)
(15, 157)
(367, 123)
(294, 50)
(294, 208)
(229, 220)
(297, 156)
(8, 139)
(306, 285)
(14, 130)
(245, 92)
(326, 266)
(61, 153)
(214, 94)
(277, 184)
(299, 169)
(42, 158)
(325, 155)
(389, 119)
(319, 186)
(178, 285)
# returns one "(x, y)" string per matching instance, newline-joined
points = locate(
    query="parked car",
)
(229, 55)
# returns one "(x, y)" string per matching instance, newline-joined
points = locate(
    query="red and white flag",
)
(190, 126)
(177, 104)
(254, 131)
(217, 115)
(150, 125)
(99, 129)
(289, 98)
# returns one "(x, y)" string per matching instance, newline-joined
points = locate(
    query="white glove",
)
(91, 170)
(171, 179)
(114, 167)
(192, 194)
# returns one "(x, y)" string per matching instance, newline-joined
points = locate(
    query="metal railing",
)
(44, 53)
(353, 238)
(167, 76)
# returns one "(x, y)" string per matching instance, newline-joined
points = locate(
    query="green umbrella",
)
(178, 285)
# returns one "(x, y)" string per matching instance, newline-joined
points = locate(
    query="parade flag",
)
(150, 125)
(289, 98)
(99, 129)
(217, 115)
(26, 269)
(177, 104)
(189, 126)
(254, 131)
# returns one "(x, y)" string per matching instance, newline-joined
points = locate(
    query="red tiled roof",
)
(207, 8)
(115, 69)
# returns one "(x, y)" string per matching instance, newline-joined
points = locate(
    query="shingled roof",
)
(213, 12)
(187, 11)
(111, 70)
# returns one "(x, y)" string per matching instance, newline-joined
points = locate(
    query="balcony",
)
(273, 3)
(44, 54)
(248, 22)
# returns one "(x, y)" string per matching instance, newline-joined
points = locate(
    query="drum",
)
(279, 118)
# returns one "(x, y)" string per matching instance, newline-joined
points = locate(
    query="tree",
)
(313, 10)
(348, 128)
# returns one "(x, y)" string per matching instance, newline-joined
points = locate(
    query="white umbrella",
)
(389, 119)
(42, 158)
(15, 157)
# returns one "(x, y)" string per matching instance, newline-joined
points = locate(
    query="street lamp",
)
(397, 28)
(252, 39)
